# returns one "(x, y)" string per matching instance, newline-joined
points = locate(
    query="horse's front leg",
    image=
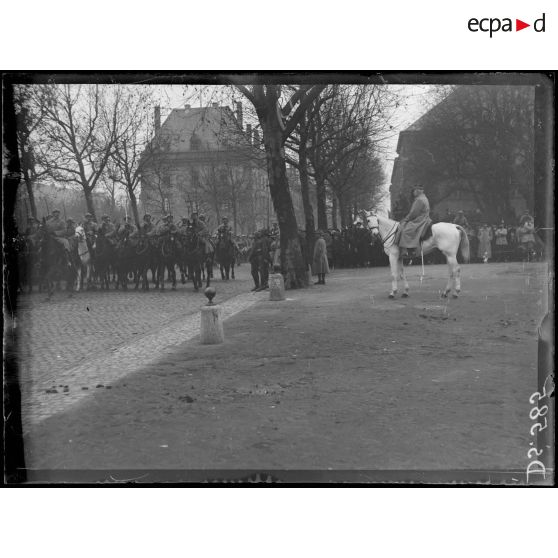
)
(78, 279)
(393, 264)
(403, 278)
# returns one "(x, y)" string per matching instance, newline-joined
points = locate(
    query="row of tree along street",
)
(100, 136)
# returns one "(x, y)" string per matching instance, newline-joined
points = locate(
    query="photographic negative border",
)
(15, 471)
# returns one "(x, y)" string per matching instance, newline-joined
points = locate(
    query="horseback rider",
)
(128, 229)
(70, 228)
(107, 229)
(224, 229)
(57, 229)
(167, 227)
(183, 225)
(413, 226)
(145, 229)
(200, 230)
(89, 226)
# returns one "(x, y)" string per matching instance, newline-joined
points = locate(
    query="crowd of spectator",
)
(499, 241)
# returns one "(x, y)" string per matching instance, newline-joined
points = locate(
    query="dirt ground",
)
(336, 377)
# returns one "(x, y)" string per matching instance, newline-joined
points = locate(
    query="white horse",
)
(85, 259)
(447, 237)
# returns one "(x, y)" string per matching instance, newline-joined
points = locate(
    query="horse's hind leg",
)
(452, 269)
(232, 270)
(403, 278)
(394, 265)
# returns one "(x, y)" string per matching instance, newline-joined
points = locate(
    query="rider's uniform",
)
(57, 228)
(201, 231)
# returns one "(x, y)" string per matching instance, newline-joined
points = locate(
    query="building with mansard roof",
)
(206, 160)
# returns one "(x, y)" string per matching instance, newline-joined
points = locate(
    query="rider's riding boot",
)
(256, 288)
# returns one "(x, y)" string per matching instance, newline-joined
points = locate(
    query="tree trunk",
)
(89, 202)
(304, 186)
(333, 210)
(293, 265)
(134, 207)
(321, 200)
(30, 194)
(343, 211)
(235, 213)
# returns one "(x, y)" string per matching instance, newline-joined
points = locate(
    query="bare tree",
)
(279, 111)
(77, 132)
(132, 153)
(352, 120)
(29, 117)
(479, 141)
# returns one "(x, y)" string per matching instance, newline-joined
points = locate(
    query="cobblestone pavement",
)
(334, 377)
(68, 346)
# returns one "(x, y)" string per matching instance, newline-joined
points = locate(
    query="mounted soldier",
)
(167, 227)
(56, 228)
(413, 227)
(183, 225)
(107, 229)
(145, 229)
(127, 230)
(199, 228)
(90, 228)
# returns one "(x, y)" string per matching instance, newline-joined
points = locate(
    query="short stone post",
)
(211, 331)
(276, 286)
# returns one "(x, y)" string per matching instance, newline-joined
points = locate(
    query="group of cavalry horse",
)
(96, 261)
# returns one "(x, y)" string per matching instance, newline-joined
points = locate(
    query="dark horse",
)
(104, 257)
(168, 254)
(144, 259)
(225, 254)
(197, 259)
(54, 263)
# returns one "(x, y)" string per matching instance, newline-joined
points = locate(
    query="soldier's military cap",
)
(104, 217)
(88, 215)
(55, 211)
(146, 215)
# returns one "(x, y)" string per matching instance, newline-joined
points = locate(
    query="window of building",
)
(195, 142)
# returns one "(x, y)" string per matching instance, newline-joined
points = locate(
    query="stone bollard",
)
(276, 287)
(211, 326)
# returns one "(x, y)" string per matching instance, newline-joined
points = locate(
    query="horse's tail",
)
(464, 244)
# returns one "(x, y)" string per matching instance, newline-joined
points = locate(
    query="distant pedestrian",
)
(485, 243)
(501, 243)
(461, 220)
(319, 262)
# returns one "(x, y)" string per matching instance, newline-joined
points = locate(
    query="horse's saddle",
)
(427, 231)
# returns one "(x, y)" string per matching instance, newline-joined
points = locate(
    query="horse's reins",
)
(390, 234)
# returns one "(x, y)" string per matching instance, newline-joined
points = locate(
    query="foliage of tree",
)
(479, 141)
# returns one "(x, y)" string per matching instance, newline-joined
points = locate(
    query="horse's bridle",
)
(377, 227)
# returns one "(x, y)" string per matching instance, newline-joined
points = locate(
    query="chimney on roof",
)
(187, 106)
(249, 133)
(215, 105)
(239, 114)
(157, 118)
